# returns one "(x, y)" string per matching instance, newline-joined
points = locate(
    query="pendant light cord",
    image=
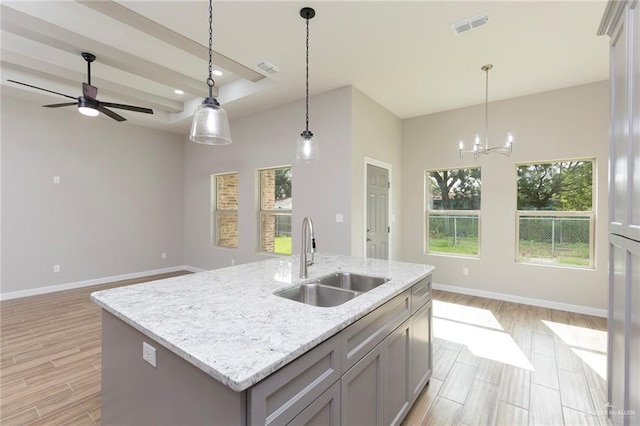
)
(307, 79)
(210, 81)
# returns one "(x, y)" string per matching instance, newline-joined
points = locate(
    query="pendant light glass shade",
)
(308, 150)
(210, 125)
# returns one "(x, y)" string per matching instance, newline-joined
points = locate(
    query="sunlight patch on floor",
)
(589, 344)
(468, 314)
(479, 331)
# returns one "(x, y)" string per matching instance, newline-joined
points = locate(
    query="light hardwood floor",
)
(495, 363)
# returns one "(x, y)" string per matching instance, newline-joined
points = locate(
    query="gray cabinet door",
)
(279, 398)
(324, 411)
(361, 399)
(396, 366)
(421, 349)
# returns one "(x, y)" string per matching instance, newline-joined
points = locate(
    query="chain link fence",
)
(453, 233)
(555, 239)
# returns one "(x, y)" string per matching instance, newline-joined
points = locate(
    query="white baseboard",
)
(96, 281)
(524, 300)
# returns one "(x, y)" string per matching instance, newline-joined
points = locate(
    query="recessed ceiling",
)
(404, 55)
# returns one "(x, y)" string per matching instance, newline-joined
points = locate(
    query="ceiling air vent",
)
(268, 67)
(470, 23)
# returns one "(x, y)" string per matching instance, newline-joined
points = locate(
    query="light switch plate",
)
(339, 218)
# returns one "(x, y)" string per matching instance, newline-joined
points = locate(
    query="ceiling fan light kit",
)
(307, 150)
(210, 125)
(478, 150)
(87, 103)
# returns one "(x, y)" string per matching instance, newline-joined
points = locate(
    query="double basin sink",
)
(332, 290)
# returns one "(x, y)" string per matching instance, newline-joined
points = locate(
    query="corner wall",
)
(268, 139)
(556, 125)
(118, 207)
(377, 134)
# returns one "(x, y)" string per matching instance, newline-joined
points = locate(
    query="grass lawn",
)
(282, 245)
(575, 254)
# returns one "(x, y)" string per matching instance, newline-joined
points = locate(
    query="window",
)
(275, 210)
(225, 200)
(453, 211)
(555, 217)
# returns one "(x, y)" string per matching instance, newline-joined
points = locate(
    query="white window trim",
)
(428, 212)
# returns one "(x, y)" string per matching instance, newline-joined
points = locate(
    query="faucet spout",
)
(308, 246)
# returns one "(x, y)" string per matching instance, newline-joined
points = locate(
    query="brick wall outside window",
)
(226, 209)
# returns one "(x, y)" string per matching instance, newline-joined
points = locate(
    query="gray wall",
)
(562, 124)
(118, 207)
(267, 140)
(377, 134)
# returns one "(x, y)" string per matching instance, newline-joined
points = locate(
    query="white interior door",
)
(377, 234)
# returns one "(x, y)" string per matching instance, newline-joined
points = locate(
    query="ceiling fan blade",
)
(46, 90)
(128, 107)
(110, 113)
(89, 91)
(60, 105)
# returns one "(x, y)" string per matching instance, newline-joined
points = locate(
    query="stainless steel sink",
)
(351, 281)
(332, 290)
(317, 295)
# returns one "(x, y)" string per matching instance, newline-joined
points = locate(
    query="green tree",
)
(555, 186)
(283, 184)
(459, 189)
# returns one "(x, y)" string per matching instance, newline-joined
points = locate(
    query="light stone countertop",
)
(228, 323)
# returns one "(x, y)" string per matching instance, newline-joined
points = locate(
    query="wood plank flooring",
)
(495, 363)
(50, 357)
(502, 363)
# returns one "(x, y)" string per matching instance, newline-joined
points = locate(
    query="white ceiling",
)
(404, 55)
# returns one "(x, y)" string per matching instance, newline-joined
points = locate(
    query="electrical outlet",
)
(149, 354)
(164, 255)
(233, 262)
(465, 271)
(56, 179)
(56, 268)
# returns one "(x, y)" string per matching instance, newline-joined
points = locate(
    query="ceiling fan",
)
(87, 103)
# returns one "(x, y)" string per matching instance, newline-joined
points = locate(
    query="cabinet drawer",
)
(363, 335)
(420, 293)
(324, 411)
(282, 396)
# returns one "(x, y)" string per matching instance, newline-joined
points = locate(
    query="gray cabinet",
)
(363, 335)
(282, 396)
(396, 372)
(380, 387)
(421, 349)
(621, 22)
(324, 411)
(362, 398)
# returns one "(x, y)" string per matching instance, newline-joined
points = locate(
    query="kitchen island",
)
(227, 350)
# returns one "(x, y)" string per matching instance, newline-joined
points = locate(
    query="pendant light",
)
(210, 124)
(307, 146)
(479, 150)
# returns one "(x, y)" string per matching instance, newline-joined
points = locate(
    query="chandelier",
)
(478, 148)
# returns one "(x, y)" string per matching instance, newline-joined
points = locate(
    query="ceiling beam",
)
(57, 37)
(142, 23)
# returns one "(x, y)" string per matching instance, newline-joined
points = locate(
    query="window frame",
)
(218, 212)
(428, 212)
(275, 212)
(591, 215)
